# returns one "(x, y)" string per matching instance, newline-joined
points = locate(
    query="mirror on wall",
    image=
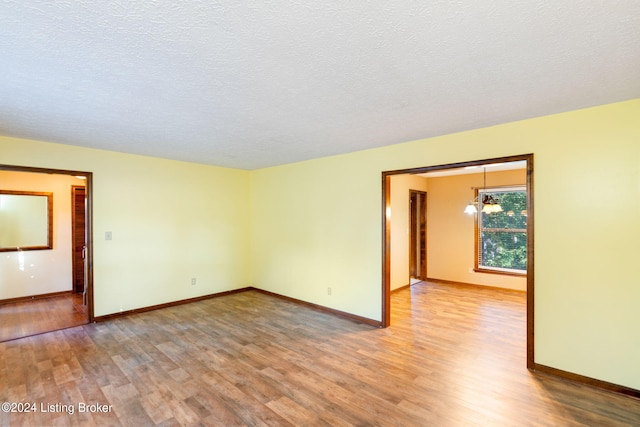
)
(25, 220)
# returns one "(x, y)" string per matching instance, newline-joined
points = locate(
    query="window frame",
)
(479, 192)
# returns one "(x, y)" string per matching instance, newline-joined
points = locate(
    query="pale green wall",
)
(318, 224)
(171, 221)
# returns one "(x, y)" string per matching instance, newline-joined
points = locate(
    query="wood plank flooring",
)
(25, 318)
(454, 356)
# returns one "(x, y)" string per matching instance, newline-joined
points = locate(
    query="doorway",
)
(527, 159)
(417, 235)
(78, 237)
(60, 293)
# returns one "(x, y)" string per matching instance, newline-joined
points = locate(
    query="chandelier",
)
(489, 203)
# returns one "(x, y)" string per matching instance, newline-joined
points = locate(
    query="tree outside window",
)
(501, 244)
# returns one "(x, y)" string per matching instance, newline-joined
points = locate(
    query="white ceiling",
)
(250, 84)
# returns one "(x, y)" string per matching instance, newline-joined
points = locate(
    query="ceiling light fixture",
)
(490, 204)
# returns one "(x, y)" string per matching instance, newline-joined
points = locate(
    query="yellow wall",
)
(29, 273)
(317, 224)
(310, 233)
(450, 232)
(400, 223)
(170, 221)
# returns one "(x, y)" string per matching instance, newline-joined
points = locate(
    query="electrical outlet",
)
(328, 291)
(193, 281)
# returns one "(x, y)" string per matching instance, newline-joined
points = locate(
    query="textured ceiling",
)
(251, 84)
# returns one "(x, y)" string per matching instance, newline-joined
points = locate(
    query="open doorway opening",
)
(43, 289)
(451, 206)
(79, 239)
(417, 235)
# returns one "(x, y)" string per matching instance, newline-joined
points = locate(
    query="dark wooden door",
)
(78, 235)
(418, 234)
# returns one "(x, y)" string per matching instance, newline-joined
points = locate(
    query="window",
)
(501, 243)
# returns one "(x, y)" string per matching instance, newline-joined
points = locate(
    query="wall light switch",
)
(108, 235)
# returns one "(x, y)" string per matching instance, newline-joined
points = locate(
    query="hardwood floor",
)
(25, 318)
(454, 356)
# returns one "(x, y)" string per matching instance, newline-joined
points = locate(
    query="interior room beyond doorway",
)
(46, 288)
(452, 236)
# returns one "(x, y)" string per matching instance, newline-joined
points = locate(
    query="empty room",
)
(296, 213)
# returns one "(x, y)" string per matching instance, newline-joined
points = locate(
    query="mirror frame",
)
(49, 244)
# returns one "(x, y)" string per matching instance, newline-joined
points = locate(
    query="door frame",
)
(75, 189)
(421, 259)
(89, 220)
(386, 237)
